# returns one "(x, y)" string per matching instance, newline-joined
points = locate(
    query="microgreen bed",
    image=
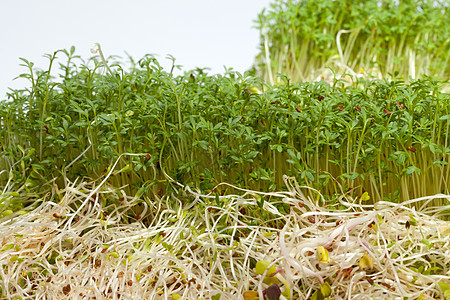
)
(386, 138)
(78, 248)
(303, 39)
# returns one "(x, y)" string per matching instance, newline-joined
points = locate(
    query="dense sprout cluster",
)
(95, 242)
(386, 138)
(303, 38)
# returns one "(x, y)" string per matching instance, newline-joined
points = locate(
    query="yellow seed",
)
(366, 262)
(325, 289)
(322, 255)
(251, 295)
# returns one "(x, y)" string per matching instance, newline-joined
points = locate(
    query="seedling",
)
(200, 130)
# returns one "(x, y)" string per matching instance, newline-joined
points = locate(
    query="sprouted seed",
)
(364, 250)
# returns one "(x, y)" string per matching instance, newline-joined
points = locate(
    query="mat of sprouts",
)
(74, 250)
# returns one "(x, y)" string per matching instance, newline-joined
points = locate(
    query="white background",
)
(198, 33)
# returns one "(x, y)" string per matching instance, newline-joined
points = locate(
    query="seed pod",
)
(411, 148)
(66, 289)
(407, 225)
(98, 263)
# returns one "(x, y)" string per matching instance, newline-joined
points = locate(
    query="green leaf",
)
(411, 169)
(16, 258)
(401, 159)
(168, 247)
(325, 289)
(252, 154)
(176, 296)
(262, 265)
(428, 243)
(351, 175)
(7, 212)
(30, 153)
(217, 199)
(21, 149)
(309, 175)
(412, 221)
(7, 247)
(65, 124)
(290, 161)
(291, 154)
(365, 196)
(216, 296)
(443, 286)
(317, 295)
(127, 168)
